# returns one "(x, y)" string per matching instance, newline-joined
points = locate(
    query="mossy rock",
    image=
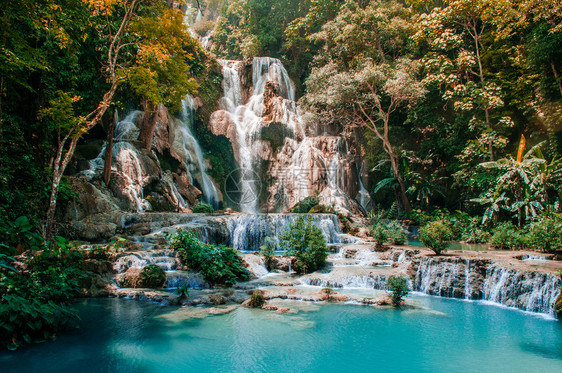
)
(152, 277)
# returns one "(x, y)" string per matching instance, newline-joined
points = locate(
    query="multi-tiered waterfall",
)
(269, 137)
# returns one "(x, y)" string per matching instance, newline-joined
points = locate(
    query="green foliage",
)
(435, 235)
(19, 235)
(268, 251)
(397, 233)
(257, 299)
(219, 265)
(202, 207)
(506, 236)
(398, 287)
(380, 233)
(304, 240)
(24, 320)
(35, 303)
(546, 234)
(304, 206)
(152, 276)
(183, 292)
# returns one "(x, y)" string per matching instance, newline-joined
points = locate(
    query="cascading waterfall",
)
(303, 164)
(528, 291)
(190, 150)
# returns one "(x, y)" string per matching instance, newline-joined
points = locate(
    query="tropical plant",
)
(183, 292)
(218, 264)
(380, 233)
(398, 287)
(435, 235)
(506, 236)
(304, 240)
(396, 232)
(546, 234)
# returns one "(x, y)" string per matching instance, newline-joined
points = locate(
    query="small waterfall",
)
(367, 281)
(165, 259)
(248, 232)
(528, 291)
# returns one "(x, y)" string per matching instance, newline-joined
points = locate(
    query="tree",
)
(130, 44)
(303, 239)
(161, 74)
(362, 78)
(435, 235)
(454, 62)
(398, 287)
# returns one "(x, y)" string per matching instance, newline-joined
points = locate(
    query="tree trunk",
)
(556, 76)
(109, 150)
(149, 125)
(394, 162)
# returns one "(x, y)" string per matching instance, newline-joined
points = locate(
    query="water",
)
(446, 336)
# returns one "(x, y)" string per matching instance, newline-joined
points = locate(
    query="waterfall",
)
(302, 165)
(528, 291)
(188, 146)
(248, 232)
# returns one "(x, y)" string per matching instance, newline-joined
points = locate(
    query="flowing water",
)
(442, 336)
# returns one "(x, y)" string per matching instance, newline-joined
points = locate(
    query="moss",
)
(257, 300)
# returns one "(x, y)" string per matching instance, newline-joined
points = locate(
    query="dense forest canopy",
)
(429, 90)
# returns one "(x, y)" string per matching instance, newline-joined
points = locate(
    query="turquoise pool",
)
(443, 335)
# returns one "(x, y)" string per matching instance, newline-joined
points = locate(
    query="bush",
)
(506, 236)
(304, 206)
(303, 239)
(257, 300)
(546, 234)
(380, 233)
(435, 235)
(204, 208)
(35, 304)
(218, 264)
(396, 232)
(268, 251)
(152, 277)
(398, 287)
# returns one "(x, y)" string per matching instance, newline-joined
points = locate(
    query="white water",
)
(188, 146)
(528, 291)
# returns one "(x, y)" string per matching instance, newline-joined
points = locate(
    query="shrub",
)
(380, 233)
(152, 277)
(398, 287)
(182, 291)
(506, 236)
(257, 300)
(435, 235)
(268, 251)
(202, 207)
(303, 239)
(304, 206)
(396, 232)
(218, 264)
(546, 234)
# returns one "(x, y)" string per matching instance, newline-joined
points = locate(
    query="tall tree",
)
(362, 77)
